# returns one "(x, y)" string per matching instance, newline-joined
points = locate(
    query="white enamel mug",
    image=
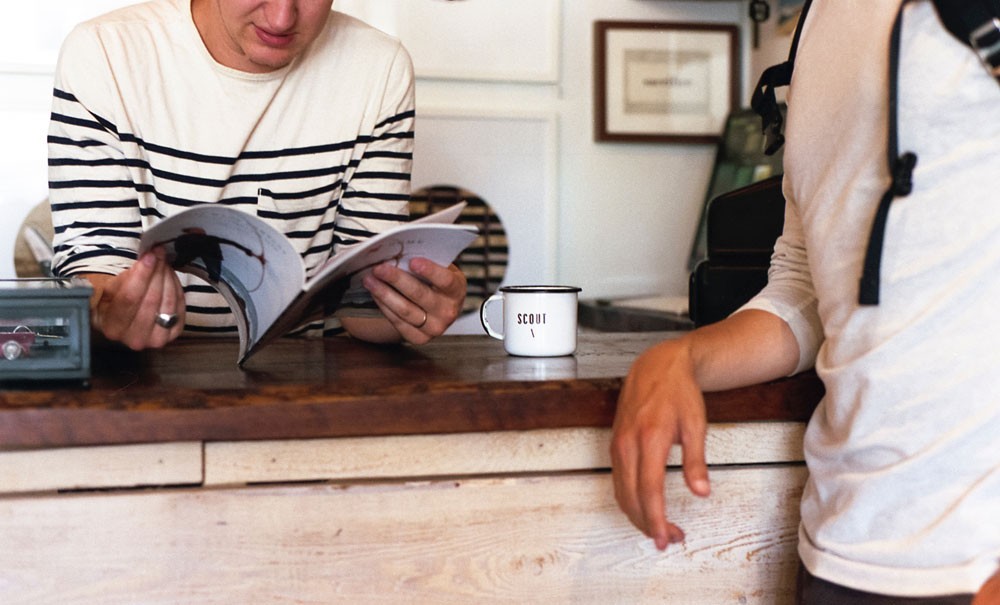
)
(538, 321)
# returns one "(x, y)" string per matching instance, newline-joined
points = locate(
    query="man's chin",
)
(271, 61)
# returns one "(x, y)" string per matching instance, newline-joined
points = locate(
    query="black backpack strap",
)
(764, 102)
(901, 170)
(900, 166)
(975, 23)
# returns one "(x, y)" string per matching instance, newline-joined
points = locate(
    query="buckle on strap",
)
(765, 104)
(985, 40)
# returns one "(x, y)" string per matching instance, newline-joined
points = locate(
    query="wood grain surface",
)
(295, 389)
(553, 540)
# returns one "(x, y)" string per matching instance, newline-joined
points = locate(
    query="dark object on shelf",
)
(44, 331)
(613, 316)
(742, 227)
(739, 161)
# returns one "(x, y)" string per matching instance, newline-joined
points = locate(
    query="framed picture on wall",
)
(663, 81)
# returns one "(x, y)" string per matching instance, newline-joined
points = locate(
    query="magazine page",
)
(353, 295)
(447, 215)
(340, 281)
(251, 264)
(439, 243)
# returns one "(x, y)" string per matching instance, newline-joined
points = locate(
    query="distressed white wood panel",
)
(100, 467)
(543, 539)
(473, 453)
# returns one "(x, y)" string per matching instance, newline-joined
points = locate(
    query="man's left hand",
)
(420, 305)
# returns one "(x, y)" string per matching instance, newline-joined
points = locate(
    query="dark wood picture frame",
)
(664, 82)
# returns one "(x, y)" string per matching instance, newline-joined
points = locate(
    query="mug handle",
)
(482, 315)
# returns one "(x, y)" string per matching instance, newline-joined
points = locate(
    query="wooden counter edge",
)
(474, 408)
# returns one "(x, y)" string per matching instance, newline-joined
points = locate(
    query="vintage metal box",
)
(45, 330)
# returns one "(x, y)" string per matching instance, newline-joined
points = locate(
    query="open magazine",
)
(263, 278)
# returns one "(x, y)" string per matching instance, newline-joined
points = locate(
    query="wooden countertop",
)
(193, 391)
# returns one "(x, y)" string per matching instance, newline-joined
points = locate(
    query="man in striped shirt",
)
(282, 108)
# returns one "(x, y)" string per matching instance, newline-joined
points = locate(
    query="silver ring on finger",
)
(166, 320)
(422, 322)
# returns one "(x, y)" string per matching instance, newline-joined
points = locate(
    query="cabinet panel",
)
(156, 464)
(474, 454)
(555, 539)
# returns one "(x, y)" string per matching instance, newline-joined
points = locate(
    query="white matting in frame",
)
(500, 40)
(509, 160)
(660, 81)
(31, 44)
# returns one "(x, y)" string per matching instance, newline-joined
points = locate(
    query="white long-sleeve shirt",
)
(146, 123)
(903, 452)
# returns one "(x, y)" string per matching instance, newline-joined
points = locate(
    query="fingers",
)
(651, 475)
(169, 302)
(625, 474)
(144, 331)
(420, 305)
(660, 405)
(410, 327)
(693, 460)
(638, 467)
(122, 299)
(131, 301)
(436, 275)
(639, 472)
(639, 492)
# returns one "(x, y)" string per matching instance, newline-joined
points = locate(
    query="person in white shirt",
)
(282, 108)
(903, 452)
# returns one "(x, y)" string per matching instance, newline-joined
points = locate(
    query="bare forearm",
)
(661, 404)
(747, 348)
(371, 329)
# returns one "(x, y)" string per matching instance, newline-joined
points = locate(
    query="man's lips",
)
(272, 39)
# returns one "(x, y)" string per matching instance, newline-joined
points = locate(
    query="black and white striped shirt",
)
(145, 123)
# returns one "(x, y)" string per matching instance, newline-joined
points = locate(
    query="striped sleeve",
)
(377, 194)
(95, 209)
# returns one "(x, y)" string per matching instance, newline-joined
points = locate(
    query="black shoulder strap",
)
(900, 169)
(764, 102)
(975, 23)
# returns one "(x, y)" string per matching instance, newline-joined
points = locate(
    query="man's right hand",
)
(124, 307)
(660, 405)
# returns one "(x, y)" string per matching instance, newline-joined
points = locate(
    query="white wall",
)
(628, 211)
(27, 54)
(24, 112)
(623, 215)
